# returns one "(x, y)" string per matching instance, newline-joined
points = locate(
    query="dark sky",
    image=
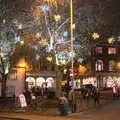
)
(13, 8)
(112, 15)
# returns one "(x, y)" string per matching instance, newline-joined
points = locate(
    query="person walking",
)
(96, 97)
(115, 93)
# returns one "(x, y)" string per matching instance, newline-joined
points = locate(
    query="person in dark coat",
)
(28, 96)
(96, 97)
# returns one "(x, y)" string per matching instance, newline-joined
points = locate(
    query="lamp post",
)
(72, 57)
(71, 37)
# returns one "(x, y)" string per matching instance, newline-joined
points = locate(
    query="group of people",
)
(91, 93)
(70, 100)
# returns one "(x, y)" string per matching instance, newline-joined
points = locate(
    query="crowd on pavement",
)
(73, 100)
(68, 101)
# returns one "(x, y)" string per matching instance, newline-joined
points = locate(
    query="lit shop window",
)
(112, 64)
(30, 81)
(99, 50)
(99, 65)
(40, 82)
(50, 82)
(111, 50)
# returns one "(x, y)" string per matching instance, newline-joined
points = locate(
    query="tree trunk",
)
(59, 77)
(4, 79)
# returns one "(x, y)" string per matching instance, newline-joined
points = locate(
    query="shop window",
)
(40, 82)
(111, 65)
(98, 50)
(30, 81)
(10, 91)
(50, 82)
(99, 65)
(111, 50)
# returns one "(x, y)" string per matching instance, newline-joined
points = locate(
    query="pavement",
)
(85, 113)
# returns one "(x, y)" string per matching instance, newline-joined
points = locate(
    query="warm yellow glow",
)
(37, 13)
(57, 17)
(95, 36)
(73, 26)
(49, 58)
(118, 66)
(2, 54)
(4, 21)
(51, 2)
(43, 42)
(22, 64)
(63, 62)
(111, 40)
(38, 35)
(22, 42)
(82, 70)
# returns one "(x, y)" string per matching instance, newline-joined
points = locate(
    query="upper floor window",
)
(99, 65)
(99, 50)
(111, 50)
(112, 64)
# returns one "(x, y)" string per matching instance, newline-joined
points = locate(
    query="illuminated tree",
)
(7, 45)
(45, 30)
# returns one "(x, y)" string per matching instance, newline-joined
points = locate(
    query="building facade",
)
(106, 64)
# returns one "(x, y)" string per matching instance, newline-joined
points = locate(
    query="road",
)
(110, 111)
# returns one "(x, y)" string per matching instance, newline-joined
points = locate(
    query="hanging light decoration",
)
(4, 21)
(111, 40)
(95, 36)
(44, 7)
(65, 34)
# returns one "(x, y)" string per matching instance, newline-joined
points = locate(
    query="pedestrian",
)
(115, 93)
(63, 105)
(96, 97)
(28, 96)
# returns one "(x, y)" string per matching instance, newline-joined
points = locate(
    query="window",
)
(111, 50)
(111, 65)
(99, 50)
(99, 65)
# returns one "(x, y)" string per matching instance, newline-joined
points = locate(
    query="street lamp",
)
(71, 36)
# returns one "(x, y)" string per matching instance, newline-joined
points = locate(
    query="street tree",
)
(46, 23)
(7, 45)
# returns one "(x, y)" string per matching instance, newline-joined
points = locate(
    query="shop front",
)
(76, 83)
(40, 82)
(90, 80)
(110, 81)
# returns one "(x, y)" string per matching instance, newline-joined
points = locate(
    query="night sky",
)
(10, 9)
